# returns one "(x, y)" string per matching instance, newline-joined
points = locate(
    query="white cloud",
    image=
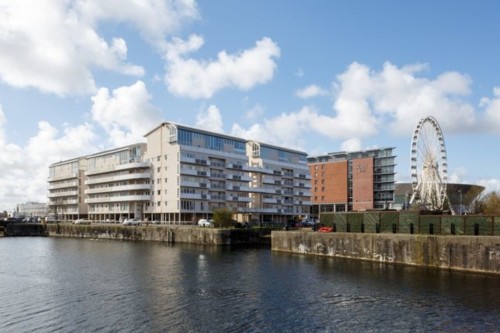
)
(367, 102)
(285, 129)
(255, 112)
(311, 91)
(202, 79)
(492, 114)
(457, 175)
(25, 169)
(126, 115)
(490, 185)
(210, 119)
(53, 45)
(353, 144)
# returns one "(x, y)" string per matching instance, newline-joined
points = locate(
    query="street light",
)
(460, 207)
(406, 199)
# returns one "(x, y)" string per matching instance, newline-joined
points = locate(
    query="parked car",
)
(308, 223)
(134, 221)
(81, 221)
(155, 222)
(205, 223)
(51, 219)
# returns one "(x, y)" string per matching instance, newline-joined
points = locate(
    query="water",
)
(69, 285)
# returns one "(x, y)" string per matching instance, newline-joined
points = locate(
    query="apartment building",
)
(118, 184)
(353, 181)
(196, 171)
(32, 209)
(183, 174)
(66, 197)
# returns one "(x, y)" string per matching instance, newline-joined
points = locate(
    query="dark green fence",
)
(412, 223)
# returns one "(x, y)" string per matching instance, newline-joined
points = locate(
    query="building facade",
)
(183, 174)
(118, 184)
(352, 181)
(66, 185)
(196, 171)
(32, 209)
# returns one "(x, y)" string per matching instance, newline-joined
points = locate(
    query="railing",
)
(412, 223)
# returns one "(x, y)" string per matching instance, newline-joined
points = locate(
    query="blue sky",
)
(77, 77)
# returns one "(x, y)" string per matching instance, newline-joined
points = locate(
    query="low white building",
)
(32, 209)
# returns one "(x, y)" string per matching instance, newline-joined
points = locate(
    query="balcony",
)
(118, 167)
(63, 194)
(65, 176)
(54, 186)
(201, 184)
(123, 198)
(243, 178)
(121, 188)
(263, 190)
(63, 202)
(195, 196)
(303, 176)
(191, 160)
(122, 177)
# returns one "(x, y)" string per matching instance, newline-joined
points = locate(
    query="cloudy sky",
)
(80, 76)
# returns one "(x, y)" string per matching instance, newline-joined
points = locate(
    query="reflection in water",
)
(75, 285)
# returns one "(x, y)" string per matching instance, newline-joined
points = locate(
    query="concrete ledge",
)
(170, 234)
(22, 229)
(465, 253)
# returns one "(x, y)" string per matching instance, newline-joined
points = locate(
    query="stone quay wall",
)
(464, 253)
(22, 229)
(162, 233)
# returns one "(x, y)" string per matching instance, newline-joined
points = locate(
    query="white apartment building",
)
(118, 184)
(66, 195)
(32, 209)
(196, 171)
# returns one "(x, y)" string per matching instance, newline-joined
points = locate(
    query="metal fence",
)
(412, 223)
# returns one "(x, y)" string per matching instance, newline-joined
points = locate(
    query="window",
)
(159, 192)
(166, 180)
(158, 169)
(158, 158)
(158, 203)
(158, 181)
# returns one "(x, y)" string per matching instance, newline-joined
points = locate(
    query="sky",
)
(81, 76)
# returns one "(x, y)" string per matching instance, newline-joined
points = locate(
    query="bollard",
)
(476, 229)
(394, 228)
(412, 230)
(431, 229)
(453, 228)
(362, 228)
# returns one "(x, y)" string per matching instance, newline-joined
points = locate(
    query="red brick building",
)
(352, 181)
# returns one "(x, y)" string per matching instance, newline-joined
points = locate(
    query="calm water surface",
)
(69, 285)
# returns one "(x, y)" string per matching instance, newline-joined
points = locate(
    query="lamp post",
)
(460, 207)
(406, 199)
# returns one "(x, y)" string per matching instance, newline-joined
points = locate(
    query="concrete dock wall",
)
(171, 234)
(22, 229)
(466, 253)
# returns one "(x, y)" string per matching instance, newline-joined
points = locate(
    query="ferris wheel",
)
(429, 167)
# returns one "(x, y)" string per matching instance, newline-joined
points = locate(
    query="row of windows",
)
(212, 142)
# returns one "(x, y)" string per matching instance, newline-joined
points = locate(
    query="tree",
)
(487, 204)
(223, 218)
